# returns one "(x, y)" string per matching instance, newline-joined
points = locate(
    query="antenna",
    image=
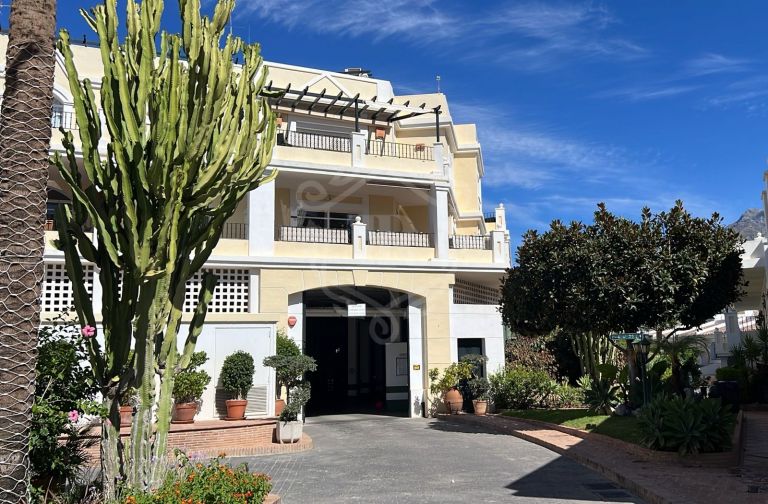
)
(437, 78)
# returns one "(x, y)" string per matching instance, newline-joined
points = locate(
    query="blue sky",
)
(631, 103)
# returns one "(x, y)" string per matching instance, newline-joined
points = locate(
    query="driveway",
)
(397, 460)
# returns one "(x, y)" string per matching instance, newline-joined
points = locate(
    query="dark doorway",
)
(360, 360)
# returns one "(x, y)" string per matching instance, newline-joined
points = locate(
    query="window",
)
(471, 346)
(324, 220)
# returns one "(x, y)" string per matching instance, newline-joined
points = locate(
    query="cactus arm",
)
(196, 325)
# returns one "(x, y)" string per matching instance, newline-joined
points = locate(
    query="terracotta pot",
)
(236, 409)
(481, 407)
(184, 412)
(126, 416)
(279, 406)
(453, 400)
(381, 133)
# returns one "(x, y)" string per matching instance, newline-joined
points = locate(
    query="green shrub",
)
(452, 377)
(237, 374)
(566, 396)
(478, 389)
(213, 482)
(189, 384)
(731, 374)
(64, 391)
(290, 369)
(298, 398)
(602, 396)
(686, 426)
(285, 345)
(520, 388)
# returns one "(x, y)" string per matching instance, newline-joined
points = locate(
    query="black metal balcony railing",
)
(393, 239)
(235, 231)
(489, 217)
(65, 120)
(470, 242)
(400, 150)
(317, 141)
(313, 235)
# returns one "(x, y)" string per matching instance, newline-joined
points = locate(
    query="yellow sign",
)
(416, 367)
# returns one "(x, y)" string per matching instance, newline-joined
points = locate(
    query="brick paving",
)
(398, 460)
(655, 481)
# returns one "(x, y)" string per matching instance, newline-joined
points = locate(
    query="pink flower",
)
(74, 416)
(88, 331)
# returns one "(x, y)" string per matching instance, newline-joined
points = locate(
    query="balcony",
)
(470, 242)
(397, 239)
(420, 152)
(316, 141)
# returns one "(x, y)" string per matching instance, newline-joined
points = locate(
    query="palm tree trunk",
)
(25, 134)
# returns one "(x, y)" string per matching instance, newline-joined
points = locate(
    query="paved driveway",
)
(399, 460)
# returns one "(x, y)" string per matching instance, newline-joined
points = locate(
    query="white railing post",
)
(358, 141)
(359, 238)
(501, 217)
(500, 247)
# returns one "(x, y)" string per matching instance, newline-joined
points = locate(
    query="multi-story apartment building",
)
(370, 249)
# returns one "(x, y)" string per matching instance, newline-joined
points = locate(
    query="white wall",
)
(219, 340)
(479, 321)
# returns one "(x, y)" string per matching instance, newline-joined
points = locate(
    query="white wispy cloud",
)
(649, 92)
(713, 63)
(751, 93)
(533, 35)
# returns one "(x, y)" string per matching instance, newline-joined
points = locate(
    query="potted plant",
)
(237, 379)
(290, 366)
(127, 401)
(479, 391)
(289, 429)
(188, 387)
(447, 386)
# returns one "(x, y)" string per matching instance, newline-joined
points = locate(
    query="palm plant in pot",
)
(237, 379)
(289, 428)
(188, 387)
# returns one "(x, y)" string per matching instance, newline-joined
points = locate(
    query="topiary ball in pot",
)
(237, 379)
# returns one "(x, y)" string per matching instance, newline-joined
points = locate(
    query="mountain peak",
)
(750, 223)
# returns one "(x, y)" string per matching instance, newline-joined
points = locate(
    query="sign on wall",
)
(356, 310)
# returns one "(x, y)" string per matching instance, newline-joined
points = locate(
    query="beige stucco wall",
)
(468, 227)
(466, 183)
(277, 284)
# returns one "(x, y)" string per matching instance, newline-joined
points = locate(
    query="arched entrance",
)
(359, 337)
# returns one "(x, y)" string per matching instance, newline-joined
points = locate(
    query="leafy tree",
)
(666, 271)
(188, 135)
(677, 349)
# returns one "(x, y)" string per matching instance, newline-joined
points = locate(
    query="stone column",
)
(438, 216)
(359, 238)
(261, 220)
(500, 246)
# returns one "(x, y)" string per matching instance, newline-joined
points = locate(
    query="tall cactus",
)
(188, 135)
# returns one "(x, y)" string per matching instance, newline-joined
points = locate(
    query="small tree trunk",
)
(111, 448)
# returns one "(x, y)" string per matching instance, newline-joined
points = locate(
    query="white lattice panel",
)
(471, 293)
(230, 296)
(57, 289)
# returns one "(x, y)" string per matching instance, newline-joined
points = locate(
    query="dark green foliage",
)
(191, 382)
(520, 388)
(730, 374)
(477, 389)
(298, 398)
(686, 426)
(63, 386)
(602, 395)
(237, 374)
(616, 275)
(531, 352)
(290, 369)
(286, 346)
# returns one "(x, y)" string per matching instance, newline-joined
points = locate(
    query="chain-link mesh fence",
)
(25, 133)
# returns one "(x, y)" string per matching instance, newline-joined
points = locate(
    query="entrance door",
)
(326, 342)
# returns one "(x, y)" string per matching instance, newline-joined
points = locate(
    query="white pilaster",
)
(416, 361)
(732, 332)
(358, 141)
(443, 161)
(359, 238)
(296, 309)
(500, 247)
(253, 292)
(501, 217)
(261, 220)
(439, 225)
